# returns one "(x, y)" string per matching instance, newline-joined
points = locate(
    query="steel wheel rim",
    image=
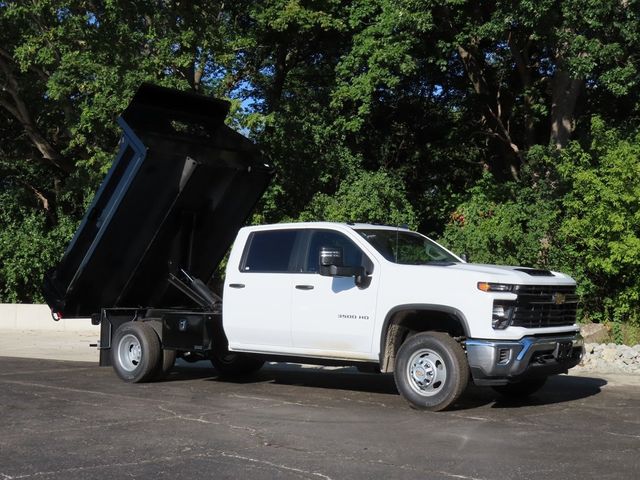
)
(426, 372)
(129, 352)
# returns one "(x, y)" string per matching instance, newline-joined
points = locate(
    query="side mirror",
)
(465, 257)
(332, 265)
(330, 256)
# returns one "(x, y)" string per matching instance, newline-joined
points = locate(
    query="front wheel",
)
(521, 389)
(431, 371)
(135, 352)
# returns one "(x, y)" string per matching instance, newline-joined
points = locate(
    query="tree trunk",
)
(279, 77)
(565, 94)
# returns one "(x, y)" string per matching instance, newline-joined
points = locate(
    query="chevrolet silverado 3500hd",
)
(381, 298)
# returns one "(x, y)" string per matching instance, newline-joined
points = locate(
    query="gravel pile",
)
(609, 357)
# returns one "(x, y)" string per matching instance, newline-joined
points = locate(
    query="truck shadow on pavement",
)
(558, 389)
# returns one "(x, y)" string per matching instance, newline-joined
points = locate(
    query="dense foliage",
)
(582, 217)
(509, 129)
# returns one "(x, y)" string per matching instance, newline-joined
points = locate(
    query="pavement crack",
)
(275, 465)
(623, 435)
(49, 370)
(366, 402)
(188, 418)
(166, 459)
(277, 403)
(454, 475)
(68, 389)
(253, 432)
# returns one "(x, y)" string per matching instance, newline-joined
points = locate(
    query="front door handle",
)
(236, 285)
(304, 287)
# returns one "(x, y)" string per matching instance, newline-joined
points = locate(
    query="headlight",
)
(495, 287)
(501, 315)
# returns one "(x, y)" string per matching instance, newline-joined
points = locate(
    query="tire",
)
(167, 360)
(135, 352)
(521, 389)
(231, 364)
(431, 371)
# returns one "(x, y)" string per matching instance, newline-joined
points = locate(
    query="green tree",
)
(67, 69)
(374, 197)
(600, 231)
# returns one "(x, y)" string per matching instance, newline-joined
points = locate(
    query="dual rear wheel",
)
(137, 356)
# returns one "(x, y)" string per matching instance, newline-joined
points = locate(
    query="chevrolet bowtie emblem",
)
(559, 298)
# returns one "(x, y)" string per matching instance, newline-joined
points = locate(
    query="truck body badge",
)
(182, 325)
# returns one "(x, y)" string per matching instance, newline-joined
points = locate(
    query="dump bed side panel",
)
(181, 186)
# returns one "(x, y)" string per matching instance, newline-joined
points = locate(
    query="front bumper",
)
(501, 362)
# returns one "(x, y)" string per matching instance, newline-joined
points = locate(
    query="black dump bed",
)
(181, 186)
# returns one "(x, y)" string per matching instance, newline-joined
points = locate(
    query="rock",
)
(594, 332)
(629, 353)
(611, 358)
(609, 354)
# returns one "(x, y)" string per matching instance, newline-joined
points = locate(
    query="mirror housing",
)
(331, 264)
(330, 257)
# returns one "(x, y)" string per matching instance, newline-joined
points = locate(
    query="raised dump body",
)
(180, 187)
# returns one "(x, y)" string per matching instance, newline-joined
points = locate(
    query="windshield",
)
(408, 248)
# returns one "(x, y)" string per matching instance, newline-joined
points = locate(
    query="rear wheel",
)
(431, 371)
(135, 352)
(165, 364)
(521, 389)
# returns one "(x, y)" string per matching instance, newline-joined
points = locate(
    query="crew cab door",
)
(332, 316)
(258, 291)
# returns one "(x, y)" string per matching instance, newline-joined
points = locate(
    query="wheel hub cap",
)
(129, 352)
(426, 372)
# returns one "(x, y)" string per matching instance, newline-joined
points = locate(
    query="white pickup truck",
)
(382, 298)
(400, 302)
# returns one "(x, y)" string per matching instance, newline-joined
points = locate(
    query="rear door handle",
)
(304, 287)
(236, 285)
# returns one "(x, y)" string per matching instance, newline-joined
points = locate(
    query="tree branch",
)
(39, 194)
(475, 72)
(18, 109)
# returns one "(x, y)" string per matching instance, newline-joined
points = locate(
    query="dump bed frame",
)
(181, 186)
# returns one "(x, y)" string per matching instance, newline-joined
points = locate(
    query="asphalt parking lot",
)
(75, 420)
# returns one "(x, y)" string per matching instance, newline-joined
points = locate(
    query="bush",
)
(28, 247)
(601, 222)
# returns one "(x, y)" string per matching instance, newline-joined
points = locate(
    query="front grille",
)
(541, 306)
